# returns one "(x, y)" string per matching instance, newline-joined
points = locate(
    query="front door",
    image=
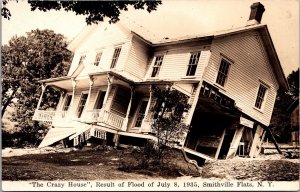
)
(141, 114)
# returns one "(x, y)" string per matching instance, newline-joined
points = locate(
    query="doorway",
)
(229, 133)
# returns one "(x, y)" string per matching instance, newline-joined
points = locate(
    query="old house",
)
(231, 78)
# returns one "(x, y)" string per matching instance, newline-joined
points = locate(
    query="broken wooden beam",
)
(273, 140)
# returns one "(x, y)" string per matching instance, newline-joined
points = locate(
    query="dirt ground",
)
(101, 164)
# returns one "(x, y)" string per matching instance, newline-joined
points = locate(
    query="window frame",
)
(193, 64)
(229, 62)
(115, 57)
(157, 65)
(263, 99)
(98, 58)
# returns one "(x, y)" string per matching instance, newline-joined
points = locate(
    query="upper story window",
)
(194, 59)
(82, 58)
(223, 72)
(115, 57)
(157, 65)
(261, 94)
(67, 103)
(97, 58)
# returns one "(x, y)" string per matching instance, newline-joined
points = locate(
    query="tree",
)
(41, 54)
(168, 113)
(280, 122)
(94, 11)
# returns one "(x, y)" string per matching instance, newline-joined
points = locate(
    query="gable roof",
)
(153, 41)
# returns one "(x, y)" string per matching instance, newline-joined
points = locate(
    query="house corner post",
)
(74, 82)
(109, 87)
(62, 94)
(145, 126)
(91, 83)
(41, 97)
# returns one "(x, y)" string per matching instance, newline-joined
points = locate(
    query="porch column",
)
(74, 82)
(60, 102)
(146, 127)
(109, 86)
(41, 97)
(91, 83)
(125, 122)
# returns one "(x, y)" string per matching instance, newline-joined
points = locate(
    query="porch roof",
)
(56, 134)
(65, 82)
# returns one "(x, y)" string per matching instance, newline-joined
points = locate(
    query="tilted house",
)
(231, 78)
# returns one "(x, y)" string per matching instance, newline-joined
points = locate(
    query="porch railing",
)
(103, 116)
(111, 119)
(92, 116)
(43, 115)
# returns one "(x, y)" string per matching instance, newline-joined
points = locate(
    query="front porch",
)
(65, 119)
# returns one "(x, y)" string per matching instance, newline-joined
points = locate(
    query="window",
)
(81, 60)
(194, 59)
(115, 57)
(156, 66)
(260, 96)
(67, 103)
(141, 114)
(97, 58)
(81, 104)
(223, 72)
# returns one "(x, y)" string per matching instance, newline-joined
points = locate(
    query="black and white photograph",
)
(183, 95)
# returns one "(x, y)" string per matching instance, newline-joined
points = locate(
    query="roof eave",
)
(54, 79)
(276, 65)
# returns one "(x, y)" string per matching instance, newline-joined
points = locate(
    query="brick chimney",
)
(257, 10)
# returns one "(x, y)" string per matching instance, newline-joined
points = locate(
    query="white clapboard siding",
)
(138, 58)
(249, 67)
(175, 63)
(104, 38)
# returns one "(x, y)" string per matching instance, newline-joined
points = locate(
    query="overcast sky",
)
(177, 18)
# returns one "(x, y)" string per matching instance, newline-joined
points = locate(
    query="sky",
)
(176, 18)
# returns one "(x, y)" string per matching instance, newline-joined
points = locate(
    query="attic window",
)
(82, 58)
(194, 59)
(115, 57)
(223, 72)
(260, 96)
(97, 58)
